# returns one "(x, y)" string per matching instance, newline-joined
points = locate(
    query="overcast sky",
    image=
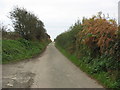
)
(59, 15)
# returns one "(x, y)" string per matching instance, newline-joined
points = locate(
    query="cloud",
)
(58, 15)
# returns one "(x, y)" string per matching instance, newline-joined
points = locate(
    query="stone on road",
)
(50, 70)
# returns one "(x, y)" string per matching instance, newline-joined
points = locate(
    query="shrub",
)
(98, 33)
(96, 42)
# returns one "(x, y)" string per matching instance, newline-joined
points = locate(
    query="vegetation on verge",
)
(15, 50)
(94, 45)
(28, 39)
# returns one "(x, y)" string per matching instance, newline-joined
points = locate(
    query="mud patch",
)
(18, 80)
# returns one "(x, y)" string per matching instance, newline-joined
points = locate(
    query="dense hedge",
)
(95, 42)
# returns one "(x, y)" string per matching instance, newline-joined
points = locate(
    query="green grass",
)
(102, 77)
(16, 50)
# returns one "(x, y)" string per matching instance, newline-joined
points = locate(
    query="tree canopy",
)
(27, 24)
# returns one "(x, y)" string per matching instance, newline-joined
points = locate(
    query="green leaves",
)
(28, 25)
(97, 45)
(15, 50)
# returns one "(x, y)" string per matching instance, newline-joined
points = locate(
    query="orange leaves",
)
(98, 32)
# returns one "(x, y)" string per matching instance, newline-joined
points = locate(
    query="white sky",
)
(59, 15)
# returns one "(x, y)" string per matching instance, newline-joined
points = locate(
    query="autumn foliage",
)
(95, 42)
(98, 32)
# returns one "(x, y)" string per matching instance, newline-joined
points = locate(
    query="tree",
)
(27, 24)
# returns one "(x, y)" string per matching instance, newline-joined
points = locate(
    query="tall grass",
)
(15, 50)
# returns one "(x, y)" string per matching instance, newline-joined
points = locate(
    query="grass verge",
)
(16, 50)
(102, 77)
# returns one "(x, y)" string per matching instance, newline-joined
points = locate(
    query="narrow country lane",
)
(49, 70)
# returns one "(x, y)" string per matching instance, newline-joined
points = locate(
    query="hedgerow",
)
(96, 43)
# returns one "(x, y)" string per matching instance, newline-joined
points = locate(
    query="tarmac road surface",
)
(49, 70)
